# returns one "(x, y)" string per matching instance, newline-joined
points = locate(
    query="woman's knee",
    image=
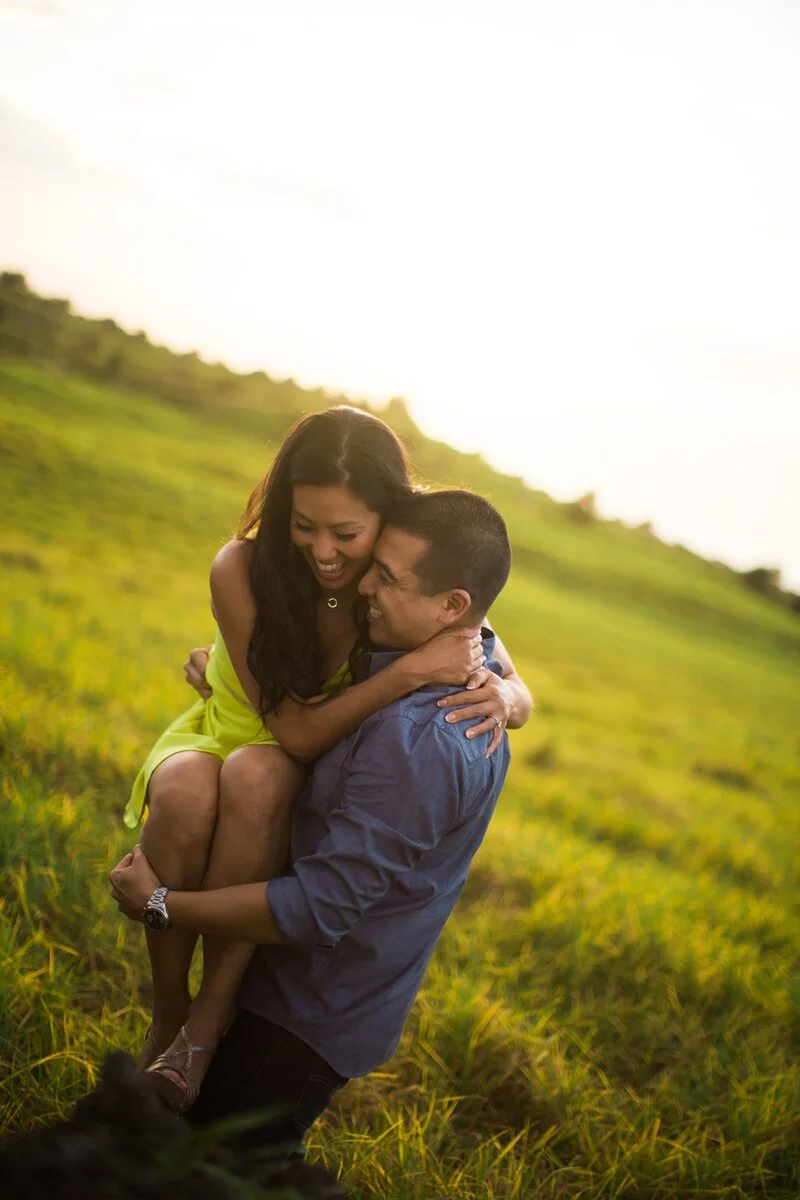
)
(259, 781)
(183, 797)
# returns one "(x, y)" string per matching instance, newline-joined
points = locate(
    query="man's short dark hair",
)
(469, 545)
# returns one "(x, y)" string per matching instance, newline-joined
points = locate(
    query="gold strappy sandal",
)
(180, 1096)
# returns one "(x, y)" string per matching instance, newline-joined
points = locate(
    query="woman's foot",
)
(149, 1052)
(178, 1073)
(162, 1033)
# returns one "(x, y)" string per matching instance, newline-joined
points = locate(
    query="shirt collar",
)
(372, 661)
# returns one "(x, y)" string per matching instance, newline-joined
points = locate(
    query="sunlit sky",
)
(567, 232)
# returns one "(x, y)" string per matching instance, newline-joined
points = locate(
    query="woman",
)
(220, 781)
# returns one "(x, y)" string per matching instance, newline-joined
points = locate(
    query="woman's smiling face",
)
(335, 532)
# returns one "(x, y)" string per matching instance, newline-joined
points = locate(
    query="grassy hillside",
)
(613, 1010)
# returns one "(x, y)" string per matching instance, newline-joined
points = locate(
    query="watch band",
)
(156, 913)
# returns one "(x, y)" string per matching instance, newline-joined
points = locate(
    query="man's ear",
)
(455, 606)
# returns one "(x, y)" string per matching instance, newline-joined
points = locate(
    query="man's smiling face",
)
(400, 615)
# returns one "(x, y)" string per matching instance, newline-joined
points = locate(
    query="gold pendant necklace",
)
(332, 602)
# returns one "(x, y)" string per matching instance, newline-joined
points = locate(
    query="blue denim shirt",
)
(383, 834)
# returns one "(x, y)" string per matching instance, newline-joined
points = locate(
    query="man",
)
(383, 836)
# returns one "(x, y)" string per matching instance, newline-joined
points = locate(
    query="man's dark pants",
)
(260, 1066)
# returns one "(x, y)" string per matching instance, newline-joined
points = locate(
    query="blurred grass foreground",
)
(613, 1009)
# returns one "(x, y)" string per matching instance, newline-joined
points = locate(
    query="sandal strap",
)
(188, 1048)
(183, 1071)
(192, 1049)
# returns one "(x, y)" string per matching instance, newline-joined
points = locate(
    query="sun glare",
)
(550, 237)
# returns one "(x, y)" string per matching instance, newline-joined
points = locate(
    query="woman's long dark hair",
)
(340, 447)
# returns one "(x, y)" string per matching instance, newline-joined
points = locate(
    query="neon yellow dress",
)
(215, 726)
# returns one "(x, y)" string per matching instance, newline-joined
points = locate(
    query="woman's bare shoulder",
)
(231, 566)
(232, 603)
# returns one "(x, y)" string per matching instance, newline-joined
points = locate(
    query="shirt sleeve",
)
(401, 797)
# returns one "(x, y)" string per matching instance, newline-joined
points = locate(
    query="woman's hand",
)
(450, 657)
(491, 699)
(194, 670)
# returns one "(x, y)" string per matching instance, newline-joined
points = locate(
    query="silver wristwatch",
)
(156, 915)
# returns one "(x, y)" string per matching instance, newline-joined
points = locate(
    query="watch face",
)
(155, 919)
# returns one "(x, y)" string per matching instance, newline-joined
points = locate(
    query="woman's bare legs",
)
(183, 795)
(257, 785)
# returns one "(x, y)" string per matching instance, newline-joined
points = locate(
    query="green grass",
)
(613, 1009)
